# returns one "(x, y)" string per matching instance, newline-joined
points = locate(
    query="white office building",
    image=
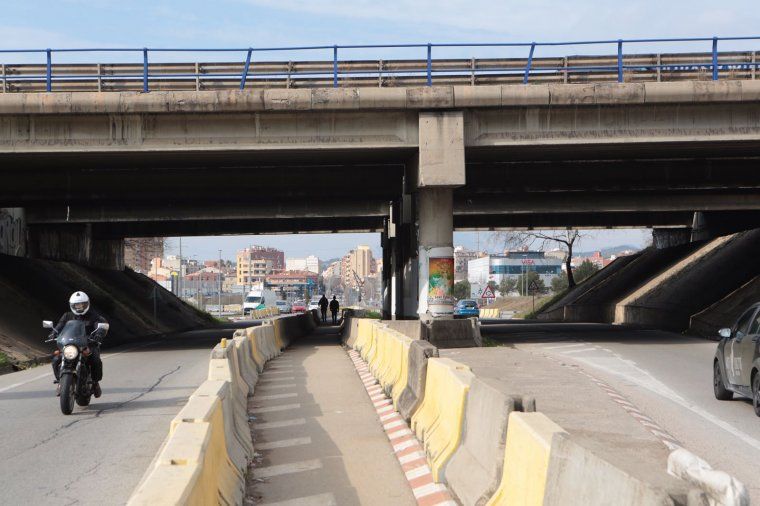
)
(512, 265)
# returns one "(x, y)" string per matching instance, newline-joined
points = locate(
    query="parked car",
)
(299, 306)
(736, 367)
(313, 304)
(466, 308)
(284, 306)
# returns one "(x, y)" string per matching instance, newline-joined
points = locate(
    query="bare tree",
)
(567, 238)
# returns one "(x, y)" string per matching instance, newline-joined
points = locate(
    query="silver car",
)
(737, 359)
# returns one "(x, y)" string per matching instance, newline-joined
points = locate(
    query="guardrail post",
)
(335, 66)
(429, 64)
(245, 69)
(49, 70)
(529, 64)
(145, 70)
(715, 59)
(620, 61)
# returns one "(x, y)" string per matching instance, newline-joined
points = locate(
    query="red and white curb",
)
(407, 448)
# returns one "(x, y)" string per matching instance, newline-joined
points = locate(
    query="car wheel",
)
(721, 392)
(756, 393)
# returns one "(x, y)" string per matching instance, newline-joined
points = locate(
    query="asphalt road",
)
(667, 376)
(98, 454)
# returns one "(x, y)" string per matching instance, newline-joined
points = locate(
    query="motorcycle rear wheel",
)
(67, 394)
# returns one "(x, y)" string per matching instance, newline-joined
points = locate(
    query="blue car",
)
(466, 308)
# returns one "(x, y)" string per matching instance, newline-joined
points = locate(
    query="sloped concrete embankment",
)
(489, 447)
(34, 290)
(726, 311)
(206, 455)
(597, 303)
(556, 310)
(709, 274)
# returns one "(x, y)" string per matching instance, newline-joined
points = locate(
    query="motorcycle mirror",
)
(724, 332)
(103, 326)
(47, 324)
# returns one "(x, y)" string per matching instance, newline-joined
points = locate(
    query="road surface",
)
(667, 376)
(98, 454)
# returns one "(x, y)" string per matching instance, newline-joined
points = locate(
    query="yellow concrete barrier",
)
(403, 344)
(364, 333)
(526, 459)
(490, 313)
(438, 420)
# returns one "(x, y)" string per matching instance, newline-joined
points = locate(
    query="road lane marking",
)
(282, 469)
(313, 500)
(284, 443)
(282, 423)
(272, 409)
(48, 374)
(562, 346)
(577, 351)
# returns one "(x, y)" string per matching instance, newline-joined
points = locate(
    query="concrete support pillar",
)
(437, 170)
(668, 237)
(75, 243)
(13, 231)
(385, 242)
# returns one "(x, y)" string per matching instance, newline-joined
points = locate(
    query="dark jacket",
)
(323, 303)
(334, 306)
(91, 319)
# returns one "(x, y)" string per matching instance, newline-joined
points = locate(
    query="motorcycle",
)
(75, 378)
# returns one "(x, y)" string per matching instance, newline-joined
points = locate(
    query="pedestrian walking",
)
(323, 303)
(334, 307)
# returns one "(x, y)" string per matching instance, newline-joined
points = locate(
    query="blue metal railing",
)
(250, 52)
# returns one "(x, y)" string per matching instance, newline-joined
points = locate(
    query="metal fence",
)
(54, 74)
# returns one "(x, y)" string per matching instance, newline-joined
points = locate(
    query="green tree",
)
(461, 290)
(492, 285)
(585, 270)
(559, 283)
(523, 285)
(507, 285)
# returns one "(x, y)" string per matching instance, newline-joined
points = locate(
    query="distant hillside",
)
(609, 251)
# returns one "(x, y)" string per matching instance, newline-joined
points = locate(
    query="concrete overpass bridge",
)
(412, 162)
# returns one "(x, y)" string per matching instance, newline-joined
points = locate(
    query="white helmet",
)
(79, 303)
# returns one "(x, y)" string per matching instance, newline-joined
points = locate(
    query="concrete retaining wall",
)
(209, 448)
(411, 397)
(726, 311)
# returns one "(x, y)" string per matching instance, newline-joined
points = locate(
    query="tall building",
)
(310, 263)
(357, 261)
(138, 252)
(274, 255)
(252, 271)
(511, 265)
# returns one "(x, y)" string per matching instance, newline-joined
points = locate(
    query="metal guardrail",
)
(249, 73)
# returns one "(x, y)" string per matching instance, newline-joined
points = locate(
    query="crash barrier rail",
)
(206, 455)
(492, 448)
(249, 69)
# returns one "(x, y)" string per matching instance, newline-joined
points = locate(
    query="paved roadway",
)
(667, 376)
(98, 454)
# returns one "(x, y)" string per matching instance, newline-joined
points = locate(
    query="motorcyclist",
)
(79, 303)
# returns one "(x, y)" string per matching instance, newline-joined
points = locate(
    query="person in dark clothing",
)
(80, 310)
(334, 307)
(323, 303)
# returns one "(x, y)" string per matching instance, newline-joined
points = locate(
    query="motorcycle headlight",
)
(70, 352)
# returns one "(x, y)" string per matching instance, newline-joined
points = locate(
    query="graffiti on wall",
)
(12, 236)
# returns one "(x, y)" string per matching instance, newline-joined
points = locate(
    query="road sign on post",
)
(487, 293)
(532, 289)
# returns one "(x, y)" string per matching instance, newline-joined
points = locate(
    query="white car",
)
(284, 306)
(313, 304)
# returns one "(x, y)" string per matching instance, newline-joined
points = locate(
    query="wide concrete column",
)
(13, 231)
(440, 167)
(75, 243)
(668, 237)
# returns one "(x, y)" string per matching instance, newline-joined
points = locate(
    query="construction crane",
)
(359, 283)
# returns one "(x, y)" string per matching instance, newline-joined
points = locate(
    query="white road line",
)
(399, 433)
(391, 425)
(282, 423)
(577, 351)
(313, 500)
(429, 489)
(417, 472)
(562, 346)
(272, 409)
(274, 397)
(411, 457)
(281, 469)
(284, 443)
(389, 416)
(405, 444)
(48, 374)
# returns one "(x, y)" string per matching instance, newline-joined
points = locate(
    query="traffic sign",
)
(487, 293)
(534, 287)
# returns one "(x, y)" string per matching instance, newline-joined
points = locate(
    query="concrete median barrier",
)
(714, 488)
(475, 469)
(248, 368)
(438, 420)
(412, 394)
(526, 459)
(490, 313)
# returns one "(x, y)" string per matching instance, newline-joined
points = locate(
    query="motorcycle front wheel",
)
(67, 394)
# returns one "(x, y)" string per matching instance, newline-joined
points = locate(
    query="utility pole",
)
(220, 283)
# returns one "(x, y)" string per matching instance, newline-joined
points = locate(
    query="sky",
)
(287, 23)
